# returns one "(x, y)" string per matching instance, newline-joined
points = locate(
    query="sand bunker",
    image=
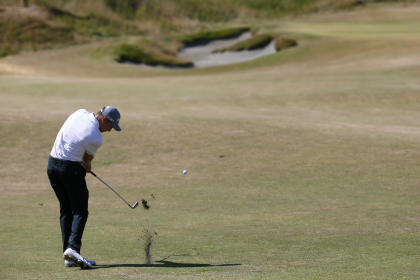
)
(202, 56)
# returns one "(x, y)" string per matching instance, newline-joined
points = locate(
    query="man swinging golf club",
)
(73, 151)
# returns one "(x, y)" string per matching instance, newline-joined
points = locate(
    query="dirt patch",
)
(9, 68)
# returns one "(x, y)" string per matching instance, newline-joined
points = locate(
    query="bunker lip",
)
(202, 56)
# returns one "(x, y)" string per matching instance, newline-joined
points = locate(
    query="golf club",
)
(131, 206)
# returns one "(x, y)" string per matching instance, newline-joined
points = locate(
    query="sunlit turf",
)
(302, 165)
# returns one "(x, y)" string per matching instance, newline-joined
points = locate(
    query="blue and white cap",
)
(111, 113)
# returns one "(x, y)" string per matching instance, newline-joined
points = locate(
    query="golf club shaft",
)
(122, 198)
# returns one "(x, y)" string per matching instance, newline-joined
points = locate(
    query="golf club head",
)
(135, 205)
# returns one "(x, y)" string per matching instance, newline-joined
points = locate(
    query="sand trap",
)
(202, 56)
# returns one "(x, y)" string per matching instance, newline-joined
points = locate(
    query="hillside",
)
(46, 24)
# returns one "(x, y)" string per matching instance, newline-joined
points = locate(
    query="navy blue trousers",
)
(67, 178)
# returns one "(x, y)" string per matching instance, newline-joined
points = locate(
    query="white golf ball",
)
(185, 171)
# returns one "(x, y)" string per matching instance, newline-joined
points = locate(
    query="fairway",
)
(304, 164)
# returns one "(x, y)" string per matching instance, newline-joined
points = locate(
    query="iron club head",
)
(135, 205)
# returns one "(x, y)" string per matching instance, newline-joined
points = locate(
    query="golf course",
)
(302, 164)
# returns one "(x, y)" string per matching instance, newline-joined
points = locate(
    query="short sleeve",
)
(92, 147)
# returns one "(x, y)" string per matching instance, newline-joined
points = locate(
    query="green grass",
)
(5, 52)
(302, 165)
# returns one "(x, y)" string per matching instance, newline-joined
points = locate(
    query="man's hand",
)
(88, 167)
(87, 160)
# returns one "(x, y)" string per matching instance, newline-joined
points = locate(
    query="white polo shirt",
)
(79, 134)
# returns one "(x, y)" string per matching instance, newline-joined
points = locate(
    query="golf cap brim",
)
(116, 126)
(111, 114)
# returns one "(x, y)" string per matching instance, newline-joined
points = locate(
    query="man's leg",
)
(79, 196)
(66, 221)
(54, 175)
(77, 229)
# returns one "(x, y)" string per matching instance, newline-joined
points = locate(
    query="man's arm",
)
(87, 159)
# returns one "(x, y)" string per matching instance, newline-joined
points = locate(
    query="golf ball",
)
(185, 171)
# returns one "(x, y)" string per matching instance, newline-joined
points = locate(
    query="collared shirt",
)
(79, 134)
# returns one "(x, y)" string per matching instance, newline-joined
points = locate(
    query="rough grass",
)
(206, 36)
(49, 27)
(284, 43)
(75, 21)
(138, 55)
(21, 30)
(207, 10)
(302, 165)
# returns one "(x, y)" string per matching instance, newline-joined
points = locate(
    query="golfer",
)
(74, 149)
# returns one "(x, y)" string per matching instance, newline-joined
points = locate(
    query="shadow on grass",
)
(165, 264)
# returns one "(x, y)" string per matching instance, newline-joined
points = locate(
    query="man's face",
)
(105, 125)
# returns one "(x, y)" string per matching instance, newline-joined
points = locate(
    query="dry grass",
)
(302, 165)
